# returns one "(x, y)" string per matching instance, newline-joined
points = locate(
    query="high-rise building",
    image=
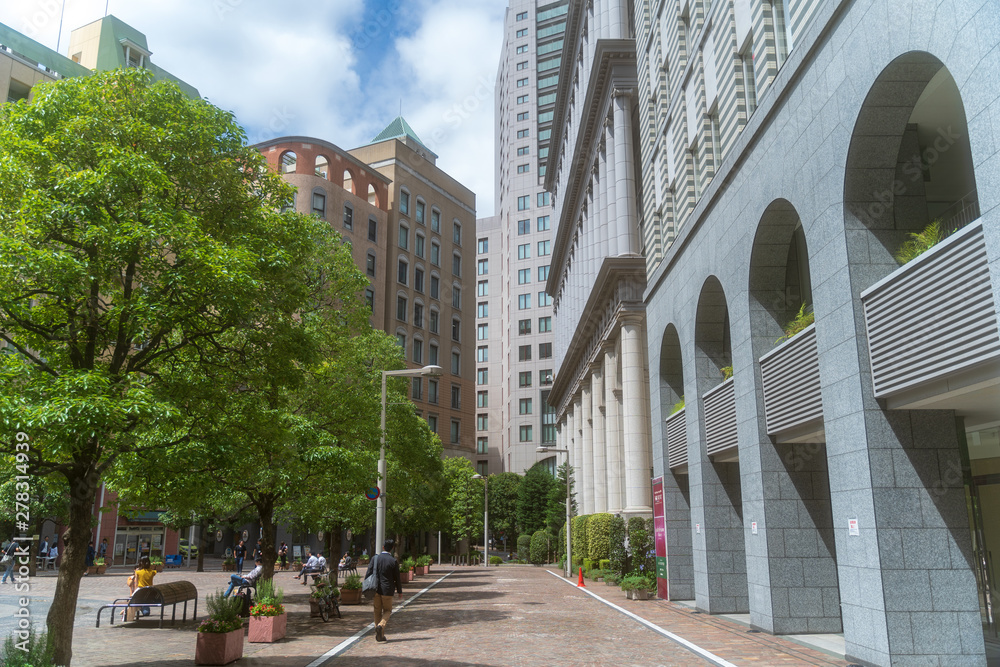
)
(515, 349)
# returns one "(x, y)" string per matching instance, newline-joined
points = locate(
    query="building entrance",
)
(984, 519)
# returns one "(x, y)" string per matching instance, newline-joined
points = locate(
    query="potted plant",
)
(350, 592)
(406, 569)
(99, 566)
(157, 563)
(220, 636)
(636, 586)
(229, 564)
(612, 579)
(424, 565)
(268, 619)
(297, 564)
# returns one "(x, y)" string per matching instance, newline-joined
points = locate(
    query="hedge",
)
(523, 546)
(639, 545)
(579, 536)
(599, 535)
(616, 551)
(539, 547)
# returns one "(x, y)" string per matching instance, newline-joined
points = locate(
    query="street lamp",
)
(426, 371)
(486, 516)
(569, 546)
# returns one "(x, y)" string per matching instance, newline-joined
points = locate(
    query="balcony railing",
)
(793, 399)
(720, 418)
(677, 442)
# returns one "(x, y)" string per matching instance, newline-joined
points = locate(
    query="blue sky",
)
(335, 69)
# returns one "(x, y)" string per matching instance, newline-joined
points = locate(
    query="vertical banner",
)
(660, 526)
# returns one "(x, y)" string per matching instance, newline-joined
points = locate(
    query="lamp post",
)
(486, 516)
(426, 371)
(569, 544)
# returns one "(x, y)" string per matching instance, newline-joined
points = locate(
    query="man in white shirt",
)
(312, 565)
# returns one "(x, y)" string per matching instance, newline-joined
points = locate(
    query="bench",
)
(160, 595)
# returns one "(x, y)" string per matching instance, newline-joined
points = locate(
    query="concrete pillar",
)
(635, 401)
(627, 220)
(611, 181)
(613, 434)
(587, 450)
(600, 438)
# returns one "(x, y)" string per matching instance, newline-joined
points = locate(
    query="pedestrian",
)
(8, 561)
(103, 552)
(249, 580)
(91, 555)
(43, 552)
(258, 551)
(239, 553)
(54, 554)
(283, 555)
(386, 567)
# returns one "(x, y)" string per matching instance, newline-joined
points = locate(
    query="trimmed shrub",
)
(599, 535)
(604, 564)
(523, 546)
(539, 547)
(638, 543)
(588, 565)
(616, 551)
(495, 560)
(579, 536)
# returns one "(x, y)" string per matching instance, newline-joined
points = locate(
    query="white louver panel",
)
(934, 316)
(720, 418)
(677, 441)
(792, 391)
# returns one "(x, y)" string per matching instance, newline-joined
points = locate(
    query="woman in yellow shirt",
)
(142, 577)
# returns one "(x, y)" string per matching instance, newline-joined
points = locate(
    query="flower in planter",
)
(223, 614)
(267, 609)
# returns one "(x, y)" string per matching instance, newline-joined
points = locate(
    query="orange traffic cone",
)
(580, 583)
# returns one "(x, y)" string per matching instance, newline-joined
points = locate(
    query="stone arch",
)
(322, 166)
(671, 371)
(348, 182)
(713, 339)
(373, 198)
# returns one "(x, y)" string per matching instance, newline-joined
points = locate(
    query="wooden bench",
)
(160, 595)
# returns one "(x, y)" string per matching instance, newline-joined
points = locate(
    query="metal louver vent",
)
(792, 391)
(677, 441)
(934, 316)
(720, 418)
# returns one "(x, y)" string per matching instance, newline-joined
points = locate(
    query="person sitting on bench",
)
(312, 565)
(249, 580)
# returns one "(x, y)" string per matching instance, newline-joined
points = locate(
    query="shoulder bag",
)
(371, 581)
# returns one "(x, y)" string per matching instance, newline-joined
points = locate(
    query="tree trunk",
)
(33, 563)
(265, 510)
(62, 613)
(201, 545)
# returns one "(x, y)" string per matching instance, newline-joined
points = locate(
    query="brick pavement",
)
(509, 616)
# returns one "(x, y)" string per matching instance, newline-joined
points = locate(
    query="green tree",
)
(555, 514)
(145, 231)
(503, 506)
(465, 498)
(533, 499)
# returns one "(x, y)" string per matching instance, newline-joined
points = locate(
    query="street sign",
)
(373, 493)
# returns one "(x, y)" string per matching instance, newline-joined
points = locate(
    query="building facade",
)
(598, 274)
(843, 478)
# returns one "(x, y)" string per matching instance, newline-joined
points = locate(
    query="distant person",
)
(9, 561)
(91, 553)
(54, 555)
(240, 553)
(283, 555)
(312, 565)
(43, 552)
(103, 551)
(249, 580)
(386, 567)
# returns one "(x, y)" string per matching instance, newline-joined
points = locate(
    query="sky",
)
(338, 70)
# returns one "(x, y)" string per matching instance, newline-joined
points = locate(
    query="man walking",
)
(387, 580)
(240, 552)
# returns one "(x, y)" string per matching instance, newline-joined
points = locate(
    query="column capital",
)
(623, 92)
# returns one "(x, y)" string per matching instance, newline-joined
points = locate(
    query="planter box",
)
(91, 569)
(639, 594)
(420, 570)
(219, 649)
(158, 567)
(267, 629)
(101, 569)
(350, 596)
(793, 402)
(677, 445)
(228, 567)
(313, 608)
(720, 418)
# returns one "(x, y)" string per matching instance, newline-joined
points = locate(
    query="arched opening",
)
(713, 344)
(288, 162)
(671, 372)
(322, 166)
(372, 195)
(349, 181)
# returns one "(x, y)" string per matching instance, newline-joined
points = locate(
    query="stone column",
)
(587, 452)
(613, 434)
(600, 453)
(627, 220)
(635, 401)
(610, 179)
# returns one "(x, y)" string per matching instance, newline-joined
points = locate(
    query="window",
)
(523, 32)
(432, 354)
(482, 332)
(543, 199)
(544, 324)
(432, 391)
(524, 251)
(483, 309)
(523, 276)
(482, 353)
(521, 83)
(370, 265)
(523, 99)
(483, 288)
(373, 230)
(524, 150)
(524, 226)
(543, 273)
(419, 212)
(749, 83)
(432, 423)
(544, 248)
(523, 301)
(483, 267)
(522, 65)
(348, 217)
(524, 115)
(418, 315)
(523, 48)
(483, 376)
(435, 287)
(418, 245)
(455, 428)
(456, 329)
(404, 202)
(524, 406)
(545, 377)
(417, 388)
(524, 379)
(404, 237)
(524, 202)
(418, 279)
(526, 433)
(482, 246)
(523, 327)
(544, 300)
(482, 445)
(456, 297)
(521, 16)
(456, 265)
(434, 321)
(456, 232)
(418, 352)
(545, 350)
(523, 168)
(435, 221)
(482, 422)
(523, 134)
(524, 353)
(435, 253)
(482, 468)
(319, 205)
(370, 298)
(456, 363)
(543, 223)
(401, 307)
(401, 341)
(482, 399)
(403, 272)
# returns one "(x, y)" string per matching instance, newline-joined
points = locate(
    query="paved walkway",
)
(508, 616)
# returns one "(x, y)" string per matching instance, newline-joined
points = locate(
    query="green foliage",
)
(465, 498)
(496, 560)
(352, 583)
(727, 372)
(616, 548)
(678, 406)
(533, 499)
(424, 561)
(407, 565)
(612, 578)
(555, 515)
(223, 614)
(268, 592)
(581, 544)
(640, 546)
(604, 564)
(503, 504)
(539, 549)
(920, 242)
(523, 546)
(560, 548)
(588, 565)
(39, 651)
(635, 582)
(802, 319)
(599, 535)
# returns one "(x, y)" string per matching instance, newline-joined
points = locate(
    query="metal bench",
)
(160, 595)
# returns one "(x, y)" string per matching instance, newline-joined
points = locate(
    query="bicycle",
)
(327, 602)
